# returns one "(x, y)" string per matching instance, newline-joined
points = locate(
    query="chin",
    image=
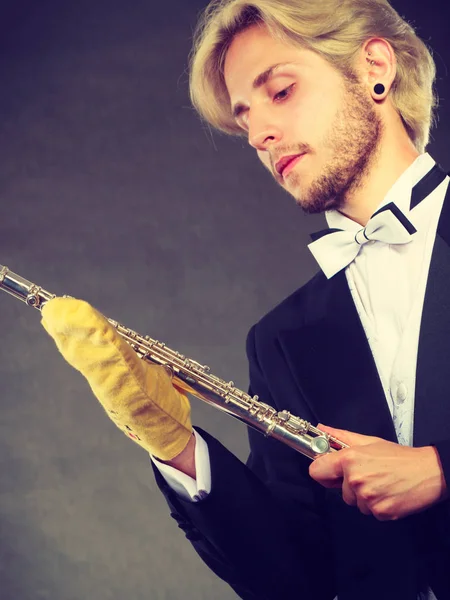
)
(302, 203)
(299, 193)
(306, 208)
(312, 206)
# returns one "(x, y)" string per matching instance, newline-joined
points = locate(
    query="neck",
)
(395, 154)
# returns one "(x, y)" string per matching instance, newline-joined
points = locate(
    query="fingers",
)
(351, 497)
(330, 471)
(348, 495)
(348, 437)
(363, 507)
(327, 470)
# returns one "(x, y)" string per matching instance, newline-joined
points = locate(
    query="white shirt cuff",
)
(185, 486)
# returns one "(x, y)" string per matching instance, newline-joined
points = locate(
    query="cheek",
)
(307, 120)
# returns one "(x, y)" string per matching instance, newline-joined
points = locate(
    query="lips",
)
(284, 162)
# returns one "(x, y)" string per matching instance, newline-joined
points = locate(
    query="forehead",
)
(252, 52)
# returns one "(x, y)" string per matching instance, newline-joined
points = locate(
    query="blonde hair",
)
(336, 30)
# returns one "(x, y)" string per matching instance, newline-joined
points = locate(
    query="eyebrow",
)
(258, 82)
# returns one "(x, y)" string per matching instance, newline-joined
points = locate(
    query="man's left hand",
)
(381, 478)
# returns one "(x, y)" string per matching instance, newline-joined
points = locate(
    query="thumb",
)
(348, 437)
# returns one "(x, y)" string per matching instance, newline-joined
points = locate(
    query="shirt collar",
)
(400, 193)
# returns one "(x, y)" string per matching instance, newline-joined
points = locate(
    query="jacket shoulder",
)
(296, 307)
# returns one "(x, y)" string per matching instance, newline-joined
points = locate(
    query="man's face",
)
(292, 102)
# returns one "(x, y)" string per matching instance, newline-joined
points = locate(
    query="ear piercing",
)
(379, 88)
(372, 62)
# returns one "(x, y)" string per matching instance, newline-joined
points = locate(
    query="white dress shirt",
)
(185, 486)
(387, 283)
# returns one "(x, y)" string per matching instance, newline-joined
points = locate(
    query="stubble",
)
(354, 139)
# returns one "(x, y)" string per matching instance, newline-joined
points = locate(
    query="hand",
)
(139, 397)
(381, 478)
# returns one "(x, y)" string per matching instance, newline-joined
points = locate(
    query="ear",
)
(377, 64)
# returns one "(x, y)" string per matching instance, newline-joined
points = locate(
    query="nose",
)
(263, 133)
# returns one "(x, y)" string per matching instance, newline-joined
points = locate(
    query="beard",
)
(354, 139)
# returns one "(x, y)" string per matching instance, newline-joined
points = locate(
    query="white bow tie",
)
(334, 249)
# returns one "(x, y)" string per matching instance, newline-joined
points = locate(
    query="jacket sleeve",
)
(443, 448)
(440, 513)
(261, 528)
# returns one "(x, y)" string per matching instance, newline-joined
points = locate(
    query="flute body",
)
(197, 380)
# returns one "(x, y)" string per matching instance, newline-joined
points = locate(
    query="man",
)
(336, 98)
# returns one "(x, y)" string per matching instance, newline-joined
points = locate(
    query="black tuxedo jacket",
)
(267, 528)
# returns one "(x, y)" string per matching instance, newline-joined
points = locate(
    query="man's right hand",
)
(139, 397)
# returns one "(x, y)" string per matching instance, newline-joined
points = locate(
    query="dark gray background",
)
(112, 190)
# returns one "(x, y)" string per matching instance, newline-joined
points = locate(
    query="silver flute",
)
(196, 379)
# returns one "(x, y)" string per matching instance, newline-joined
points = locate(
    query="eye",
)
(283, 94)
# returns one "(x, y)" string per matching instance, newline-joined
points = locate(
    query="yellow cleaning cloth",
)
(139, 397)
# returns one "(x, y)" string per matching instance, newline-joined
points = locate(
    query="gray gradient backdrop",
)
(112, 190)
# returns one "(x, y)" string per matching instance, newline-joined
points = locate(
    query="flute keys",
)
(320, 445)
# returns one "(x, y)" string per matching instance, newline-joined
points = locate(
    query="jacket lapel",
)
(432, 397)
(330, 359)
